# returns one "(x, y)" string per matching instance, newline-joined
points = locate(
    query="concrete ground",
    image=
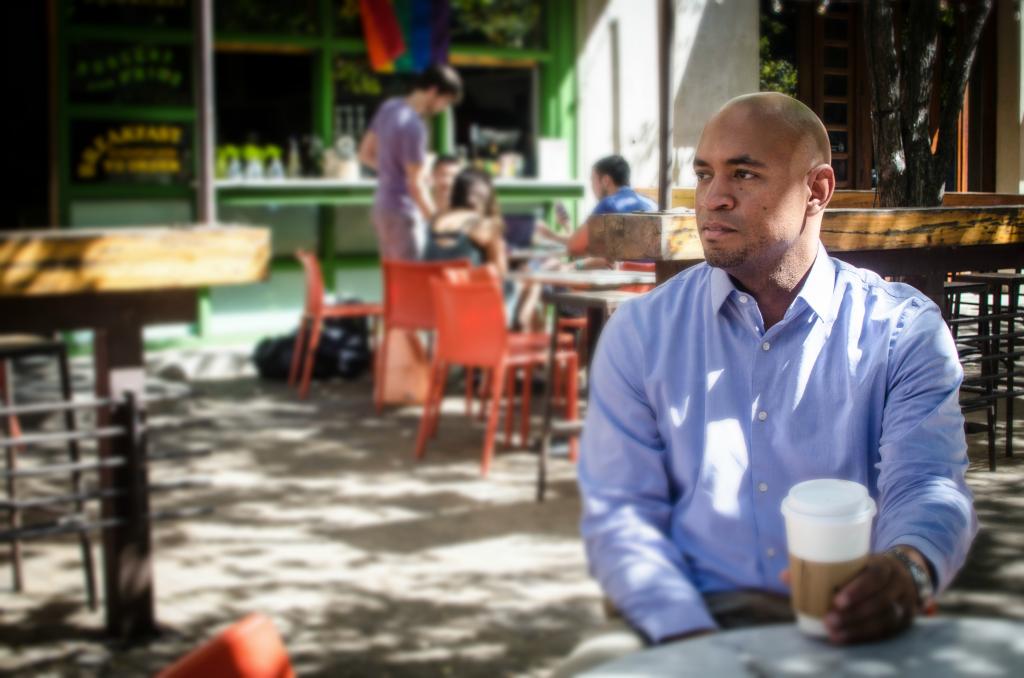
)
(371, 564)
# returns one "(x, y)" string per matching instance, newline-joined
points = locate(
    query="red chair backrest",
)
(314, 281)
(408, 302)
(637, 267)
(470, 318)
(249, 648)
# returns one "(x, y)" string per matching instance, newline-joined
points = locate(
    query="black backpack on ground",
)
(343, 351)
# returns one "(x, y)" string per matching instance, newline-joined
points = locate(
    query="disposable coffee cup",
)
(828, 532)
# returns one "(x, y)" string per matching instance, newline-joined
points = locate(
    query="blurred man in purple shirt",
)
(396, 147)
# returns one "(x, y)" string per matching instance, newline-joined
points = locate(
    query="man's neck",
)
(777, 287)
(417, 101)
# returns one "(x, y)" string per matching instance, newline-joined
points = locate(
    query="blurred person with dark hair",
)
(471, 228)
(396, 148)
(609, 179)
(442, 177)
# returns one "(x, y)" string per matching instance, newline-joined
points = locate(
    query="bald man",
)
(767, 365)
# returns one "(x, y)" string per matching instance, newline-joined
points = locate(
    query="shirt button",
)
(762, 415)
(762, 487)
(770, 552)
(766, 346)
(743, 298)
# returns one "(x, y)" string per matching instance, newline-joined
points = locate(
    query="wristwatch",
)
(922, 580)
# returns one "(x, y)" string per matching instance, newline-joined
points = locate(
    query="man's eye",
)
(744, 174)
(701, 176)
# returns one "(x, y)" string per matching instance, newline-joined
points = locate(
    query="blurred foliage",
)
(356, 78)
(777, 75)
(347, 22)
(266, 16)
(506, 23)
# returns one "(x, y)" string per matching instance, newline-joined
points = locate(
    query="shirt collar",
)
(816, 291)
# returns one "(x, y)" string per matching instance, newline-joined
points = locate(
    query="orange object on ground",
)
(471, 331)
(249, 648)
(402, 367)
(311, 323)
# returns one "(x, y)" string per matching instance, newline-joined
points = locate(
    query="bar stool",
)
(1005, 344)
(23, 346)
(975, 354)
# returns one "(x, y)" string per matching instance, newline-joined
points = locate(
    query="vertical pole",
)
(206, 207)
(666, 35)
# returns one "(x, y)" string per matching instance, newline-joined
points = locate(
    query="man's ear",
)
(821, 181)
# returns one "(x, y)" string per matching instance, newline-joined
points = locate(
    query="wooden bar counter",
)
(115, 282)
(920, 243)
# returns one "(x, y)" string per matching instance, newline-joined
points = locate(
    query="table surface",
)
(537, 252)
(588, 279)
(941, 646)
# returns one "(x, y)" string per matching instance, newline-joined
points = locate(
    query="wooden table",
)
(922, 243)
(598, 293)
(587, 279)
(942, 646)
(115, 282)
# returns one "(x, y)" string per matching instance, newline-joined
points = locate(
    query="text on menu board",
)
(130, 74)
(131, 152)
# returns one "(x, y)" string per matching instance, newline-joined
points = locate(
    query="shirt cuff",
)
(934, 557)
(671, 618)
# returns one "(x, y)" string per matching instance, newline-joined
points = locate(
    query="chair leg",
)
(485, 389)
(300, 340)
(11, 458)
(524, 420)
(426, 418)
(497, 382)
(510, 398)
(381, 367)
(572, 400)
(469, 391)
(437, 399)
(310, 357)
(76, 476)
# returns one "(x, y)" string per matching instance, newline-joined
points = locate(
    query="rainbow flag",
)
(406, 36)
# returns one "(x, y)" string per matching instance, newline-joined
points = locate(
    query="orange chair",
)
(408, 305)
(472, 332)
(313, 316)
(249, 648)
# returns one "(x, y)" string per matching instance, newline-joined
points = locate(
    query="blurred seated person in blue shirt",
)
(471, 227)
(609, 179)
(769, 364)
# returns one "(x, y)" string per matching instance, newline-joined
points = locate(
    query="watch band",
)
(922, 580)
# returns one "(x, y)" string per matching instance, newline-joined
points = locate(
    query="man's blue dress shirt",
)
(700, 422)
(624, 201)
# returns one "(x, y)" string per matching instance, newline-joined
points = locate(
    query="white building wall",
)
(1009, 97)
(715, 57)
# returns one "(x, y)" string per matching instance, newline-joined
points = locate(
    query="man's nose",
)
(716, 195)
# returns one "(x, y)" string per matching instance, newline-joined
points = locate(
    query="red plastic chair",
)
(471, 331)
(316, 311)
(637, 267)
(408, 305)
(249, 648)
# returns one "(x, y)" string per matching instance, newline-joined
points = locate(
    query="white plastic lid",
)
(829, 499)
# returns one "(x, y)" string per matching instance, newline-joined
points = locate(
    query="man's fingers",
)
(785, 577)
(875, 576)
(881, 605)
(882, 618)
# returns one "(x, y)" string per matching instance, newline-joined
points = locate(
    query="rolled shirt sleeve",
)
(924, 501)
(627, 502)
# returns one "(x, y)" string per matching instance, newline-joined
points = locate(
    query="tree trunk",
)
(909, 173)
(886, 119)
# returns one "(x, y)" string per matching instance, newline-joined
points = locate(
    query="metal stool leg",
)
(11, 459)
(76, 476)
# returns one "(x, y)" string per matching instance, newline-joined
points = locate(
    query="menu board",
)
(119, 73)
(136, 13)
(125, 152)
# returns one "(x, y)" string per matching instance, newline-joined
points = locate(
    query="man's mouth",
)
(715, 229)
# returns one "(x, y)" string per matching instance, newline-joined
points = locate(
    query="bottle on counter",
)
(294, 168)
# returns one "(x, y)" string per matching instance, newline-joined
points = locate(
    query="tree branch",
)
(884, 76)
